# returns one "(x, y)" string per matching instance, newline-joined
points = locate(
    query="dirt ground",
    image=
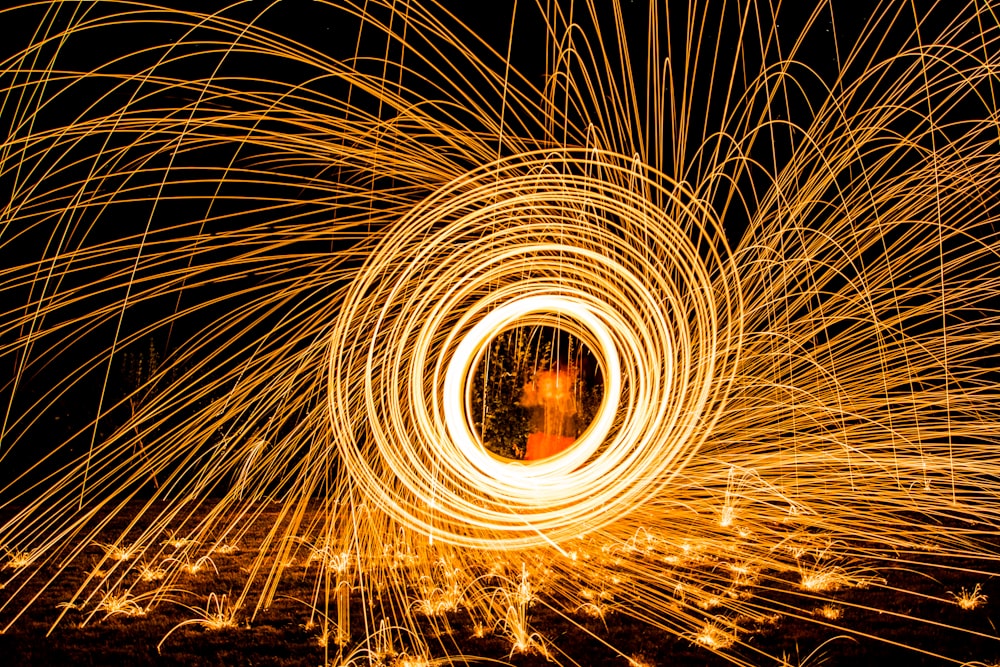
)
(288, 633)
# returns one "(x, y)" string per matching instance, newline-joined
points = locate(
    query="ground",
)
(283, 634)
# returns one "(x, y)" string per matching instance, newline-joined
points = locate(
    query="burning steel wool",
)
(258, 263)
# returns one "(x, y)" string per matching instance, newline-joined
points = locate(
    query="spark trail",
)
(775, 231)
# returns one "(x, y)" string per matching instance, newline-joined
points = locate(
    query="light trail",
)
(429, 307)
(779, 242)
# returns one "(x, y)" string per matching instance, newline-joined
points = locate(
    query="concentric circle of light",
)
(535, 238)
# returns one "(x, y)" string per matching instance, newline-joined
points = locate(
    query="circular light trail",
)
(535, 236)
(779, 243)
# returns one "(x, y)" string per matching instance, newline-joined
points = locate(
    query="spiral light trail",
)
(480, 256)
(778, 242)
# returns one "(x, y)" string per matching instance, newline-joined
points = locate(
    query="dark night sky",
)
(320, 27)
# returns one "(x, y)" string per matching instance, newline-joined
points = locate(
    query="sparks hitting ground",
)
(779, 243)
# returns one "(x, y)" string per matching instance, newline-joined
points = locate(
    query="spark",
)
(785, 268)
(19, 558)
(218, 614)
(120, 552)
(124, 604)
(969, 600)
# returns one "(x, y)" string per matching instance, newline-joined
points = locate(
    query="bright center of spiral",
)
(457, 393)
